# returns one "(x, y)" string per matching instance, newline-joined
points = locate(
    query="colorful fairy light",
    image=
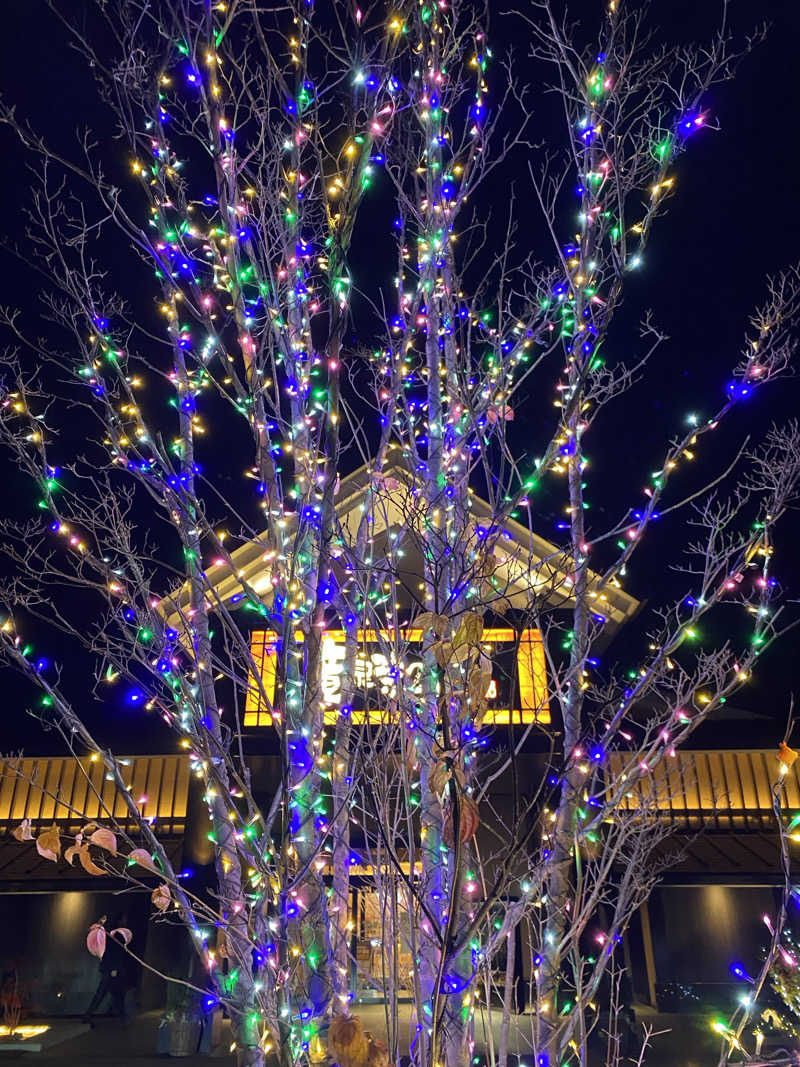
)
(241, 294)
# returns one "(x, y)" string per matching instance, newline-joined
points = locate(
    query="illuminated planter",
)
(22, 1037)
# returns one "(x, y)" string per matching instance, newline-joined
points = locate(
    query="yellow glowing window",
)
(523, 703)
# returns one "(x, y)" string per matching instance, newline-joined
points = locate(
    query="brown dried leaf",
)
(23, 831)
(480, 678)
(479, 710)
(144, 859)
(223, 952)
(442, 650)
(438, 779)
(105, 839)
(499, 607)
(441, 775)
(161, 897)
(470, 631)
(458, 653)
(48, 843)
(429, 620)
(87, 862)
(447, 654)
(468, 821)
(73, 850)
(786, 755)
(475, 684)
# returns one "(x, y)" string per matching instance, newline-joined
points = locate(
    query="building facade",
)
(716, 805)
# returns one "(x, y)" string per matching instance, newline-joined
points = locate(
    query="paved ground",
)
(689, 1043)
(109, 1044)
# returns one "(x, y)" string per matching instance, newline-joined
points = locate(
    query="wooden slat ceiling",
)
(70, 791)
(710, 790)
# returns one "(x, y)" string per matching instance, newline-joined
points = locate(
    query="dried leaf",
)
(441, 775)
(161, 897)
(87, 862)
(412, 757)
(480, 678)
(495, 414)
(223, 952)
(442, 651)
(127, 935)
(105, 839)
(479, 712)
(470, 631)
(438, 779)
(429, 620)
(786, 755)
(96, 940)
(475, 684)
(446, 652)
(144, 859)
(73, 850)
(89, 828)
(468, 821)
(48, 843)
(23, 831)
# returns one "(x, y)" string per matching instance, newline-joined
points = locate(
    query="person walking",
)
(113, 978)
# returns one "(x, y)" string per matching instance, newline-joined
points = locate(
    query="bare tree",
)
(387, 493)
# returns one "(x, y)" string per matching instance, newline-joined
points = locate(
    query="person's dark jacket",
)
(114, 961)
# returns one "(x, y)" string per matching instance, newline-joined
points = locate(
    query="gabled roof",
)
(525, 560)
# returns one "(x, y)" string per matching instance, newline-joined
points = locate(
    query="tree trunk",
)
(509, 1000)
(339, 905)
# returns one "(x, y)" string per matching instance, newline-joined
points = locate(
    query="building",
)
(715, 801)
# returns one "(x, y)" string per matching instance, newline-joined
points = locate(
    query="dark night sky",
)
(733, 221)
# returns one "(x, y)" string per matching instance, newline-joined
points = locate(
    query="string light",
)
(241, 311)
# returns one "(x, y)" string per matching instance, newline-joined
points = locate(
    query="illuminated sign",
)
(517, 692)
